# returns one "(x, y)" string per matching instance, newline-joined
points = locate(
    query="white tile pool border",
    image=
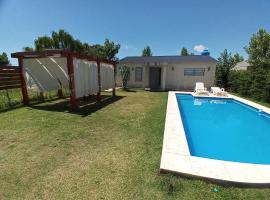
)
(176, 157)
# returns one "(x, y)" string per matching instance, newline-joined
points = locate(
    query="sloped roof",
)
(167, 59)
(243, 65)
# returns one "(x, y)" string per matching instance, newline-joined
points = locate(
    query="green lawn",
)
(110, 151)
(266, 104)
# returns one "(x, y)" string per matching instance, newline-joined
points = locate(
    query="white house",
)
(168, 72)
(243, 65)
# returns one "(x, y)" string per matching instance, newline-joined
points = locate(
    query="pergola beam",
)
(59, 53)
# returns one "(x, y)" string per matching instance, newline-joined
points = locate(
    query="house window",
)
(194, 71)
(138, 74)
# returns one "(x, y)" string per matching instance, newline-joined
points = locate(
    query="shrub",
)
(125, 73)
(254, 82)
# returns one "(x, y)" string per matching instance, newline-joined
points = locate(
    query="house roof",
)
(167, 59)
(243, 65)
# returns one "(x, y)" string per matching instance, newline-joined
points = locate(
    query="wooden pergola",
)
(69, 55)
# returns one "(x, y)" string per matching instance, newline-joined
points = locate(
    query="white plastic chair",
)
(200, 89)
(218, 91)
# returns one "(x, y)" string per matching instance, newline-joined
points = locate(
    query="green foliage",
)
(259, 49)
(147, 51)
(240, 82)
(4, 59)
(184, 52)
(44, 42)
(28, 49)
(64, 40)
(125, 74)
(110, 49)
(225, 63)
(254, 83)
(237, 58)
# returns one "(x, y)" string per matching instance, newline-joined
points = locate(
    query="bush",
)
(125, 73)
(254, 82)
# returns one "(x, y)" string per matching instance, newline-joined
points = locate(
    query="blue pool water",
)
(225, 129)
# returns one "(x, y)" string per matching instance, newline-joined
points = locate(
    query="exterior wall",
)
(172, 75)
(175, 79)
(132, 82)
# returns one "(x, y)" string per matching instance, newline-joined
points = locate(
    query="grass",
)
(106, 151)
(263, 103)
(12, 98)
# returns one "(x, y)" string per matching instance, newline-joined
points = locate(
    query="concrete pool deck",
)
(176, 157)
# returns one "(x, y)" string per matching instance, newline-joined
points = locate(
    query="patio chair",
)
(218, 91)
(200, 89)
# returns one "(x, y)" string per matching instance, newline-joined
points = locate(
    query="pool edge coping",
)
(176, 157)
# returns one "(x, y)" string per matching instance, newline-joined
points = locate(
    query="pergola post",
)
(70, 67)
(60, 93)
(23, 82)
(114, 75)
(99, 82)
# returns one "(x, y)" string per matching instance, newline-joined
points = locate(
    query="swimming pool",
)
(225, 129)
(219, 139)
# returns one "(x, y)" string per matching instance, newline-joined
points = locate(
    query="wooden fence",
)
(10, 78)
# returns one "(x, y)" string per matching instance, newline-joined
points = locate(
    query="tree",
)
(237, 58)
(110, 49)
(28, 49)
(125, 73)
(255, 81)
(225, 62)
(147, 51)
(4, 59)
(259, 49)
(184, 52)
(44, 42)
(64, 40)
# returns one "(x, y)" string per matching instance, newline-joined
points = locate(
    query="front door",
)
(154, 77)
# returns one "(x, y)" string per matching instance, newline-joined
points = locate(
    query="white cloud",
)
(199, 48)
(125, 46)
(128, 47)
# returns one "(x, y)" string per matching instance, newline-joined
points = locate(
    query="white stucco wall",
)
(132, 82)
(175, 79)
(172, 75)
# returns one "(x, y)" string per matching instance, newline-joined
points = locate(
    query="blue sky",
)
(166, 26)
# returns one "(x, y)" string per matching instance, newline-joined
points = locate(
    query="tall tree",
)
(237, 58)
(225, 62)
(259, 49)
(44, 42)
(147, 51)
(28, 49)
(110, 49)
(64, 40)
(4, 59)
(184, 52)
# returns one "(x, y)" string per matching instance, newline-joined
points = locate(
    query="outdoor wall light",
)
(208, 68)
(172, 68)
